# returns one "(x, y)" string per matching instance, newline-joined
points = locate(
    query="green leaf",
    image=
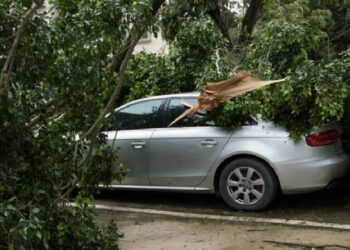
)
(35, 210)
(39, 235)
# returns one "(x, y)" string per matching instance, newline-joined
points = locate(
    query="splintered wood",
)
(213, 94)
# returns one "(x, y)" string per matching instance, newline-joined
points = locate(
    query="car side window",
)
(135, 116)
(177, 106)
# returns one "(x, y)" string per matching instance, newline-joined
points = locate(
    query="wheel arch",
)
(239, 156)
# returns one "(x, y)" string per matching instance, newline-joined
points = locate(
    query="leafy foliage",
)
(294, 38)
(178, 71)
(292, 44)
(60, 81)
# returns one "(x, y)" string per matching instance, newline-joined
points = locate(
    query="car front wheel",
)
(247, 184)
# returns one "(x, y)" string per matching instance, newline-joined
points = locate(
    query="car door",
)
(130, 130)
(183, 154)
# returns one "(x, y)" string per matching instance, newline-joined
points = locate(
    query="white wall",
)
(152, 45)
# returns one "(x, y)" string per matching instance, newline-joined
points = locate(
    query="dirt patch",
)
(144, 231)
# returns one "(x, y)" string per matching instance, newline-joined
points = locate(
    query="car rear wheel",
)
(248, 184)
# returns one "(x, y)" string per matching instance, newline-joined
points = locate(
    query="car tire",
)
(248, 184)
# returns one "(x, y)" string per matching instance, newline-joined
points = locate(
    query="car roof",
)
(189, 94)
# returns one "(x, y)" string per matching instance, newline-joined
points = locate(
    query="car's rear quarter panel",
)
(299, 167)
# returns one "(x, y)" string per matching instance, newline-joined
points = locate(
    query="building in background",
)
(148, 42)
(151, 44)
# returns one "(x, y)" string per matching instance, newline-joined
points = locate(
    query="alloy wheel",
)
(245, 185)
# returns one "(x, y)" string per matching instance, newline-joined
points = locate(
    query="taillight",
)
(323, 138)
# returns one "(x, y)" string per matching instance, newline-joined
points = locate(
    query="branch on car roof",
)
(212, 94)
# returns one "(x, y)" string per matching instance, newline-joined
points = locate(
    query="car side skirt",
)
(146, 187)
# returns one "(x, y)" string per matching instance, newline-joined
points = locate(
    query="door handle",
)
(138, 144)
(209, 143)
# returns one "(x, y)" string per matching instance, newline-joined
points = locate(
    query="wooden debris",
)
(213, 94)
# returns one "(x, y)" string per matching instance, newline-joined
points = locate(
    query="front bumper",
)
(311, 175)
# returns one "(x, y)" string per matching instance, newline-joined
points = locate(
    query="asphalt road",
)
(323, 206)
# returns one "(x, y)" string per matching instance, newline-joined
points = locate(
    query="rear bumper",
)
(307, 176)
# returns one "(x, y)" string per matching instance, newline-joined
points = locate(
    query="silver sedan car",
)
(247, 167)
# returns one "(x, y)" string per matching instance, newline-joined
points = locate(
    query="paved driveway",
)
(323, 206)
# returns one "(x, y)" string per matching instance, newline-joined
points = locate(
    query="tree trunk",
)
(216, 13)
(250, 19)
(118, 58)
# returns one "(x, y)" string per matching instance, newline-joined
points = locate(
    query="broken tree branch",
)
(213, 94)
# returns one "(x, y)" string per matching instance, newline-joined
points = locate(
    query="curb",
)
(299, 223)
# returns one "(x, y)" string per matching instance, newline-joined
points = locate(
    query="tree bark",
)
(249, 21)
(216, 13)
